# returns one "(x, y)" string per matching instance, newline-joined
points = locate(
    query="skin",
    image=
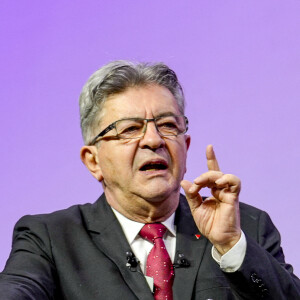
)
(218, 217)
(153, 196)
(150, 196)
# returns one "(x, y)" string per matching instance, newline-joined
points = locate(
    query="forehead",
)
(144, 102)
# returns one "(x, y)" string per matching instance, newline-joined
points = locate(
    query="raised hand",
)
(217, 217)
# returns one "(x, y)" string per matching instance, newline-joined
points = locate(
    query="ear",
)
(187, 141)
(89, 156)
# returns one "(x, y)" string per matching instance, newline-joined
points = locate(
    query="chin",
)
(157, 194)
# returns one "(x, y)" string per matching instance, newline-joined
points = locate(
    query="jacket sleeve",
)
(264, 273)
(30, 270)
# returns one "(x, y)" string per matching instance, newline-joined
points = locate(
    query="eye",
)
(168, 125)
(168, 128)
(130, 129)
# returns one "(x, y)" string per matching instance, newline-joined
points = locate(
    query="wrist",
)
(225, 247)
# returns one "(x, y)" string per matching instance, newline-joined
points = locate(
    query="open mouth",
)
(154, 166)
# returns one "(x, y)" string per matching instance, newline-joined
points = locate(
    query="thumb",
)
(185, 184)
(194, 199)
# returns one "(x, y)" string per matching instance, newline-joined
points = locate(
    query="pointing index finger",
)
(212, 162)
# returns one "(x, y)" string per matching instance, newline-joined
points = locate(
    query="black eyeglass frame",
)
(113, 126)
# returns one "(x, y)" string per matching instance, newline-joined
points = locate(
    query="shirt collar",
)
(131, 228)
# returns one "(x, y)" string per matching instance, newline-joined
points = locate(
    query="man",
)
(134, 129)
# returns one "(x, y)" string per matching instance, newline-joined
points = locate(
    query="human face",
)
(129, 167)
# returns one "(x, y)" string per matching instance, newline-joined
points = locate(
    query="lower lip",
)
(154, 172)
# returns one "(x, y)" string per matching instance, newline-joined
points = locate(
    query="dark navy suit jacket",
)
(80, 253)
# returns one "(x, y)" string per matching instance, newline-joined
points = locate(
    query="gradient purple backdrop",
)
(239, 63)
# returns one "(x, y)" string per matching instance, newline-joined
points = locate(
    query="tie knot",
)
(153, 231)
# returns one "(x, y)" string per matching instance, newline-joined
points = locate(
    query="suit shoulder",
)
(250, 211)
(64, 217)
(255, 221)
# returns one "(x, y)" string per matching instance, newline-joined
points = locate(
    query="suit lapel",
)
(192, 246)
(110, 239)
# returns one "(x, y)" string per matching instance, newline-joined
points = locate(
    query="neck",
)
(144, 210)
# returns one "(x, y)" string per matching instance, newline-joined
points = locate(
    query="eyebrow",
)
(165, 114)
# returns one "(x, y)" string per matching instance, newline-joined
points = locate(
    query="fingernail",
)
(191, 190)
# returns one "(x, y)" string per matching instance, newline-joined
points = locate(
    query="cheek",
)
(116, 161)
(127, 154)
(179, 158)
(178, 151)
(107, 160)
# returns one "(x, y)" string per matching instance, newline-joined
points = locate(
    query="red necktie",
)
(159, 265)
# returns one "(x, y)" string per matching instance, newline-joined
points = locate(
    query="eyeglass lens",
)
(135, 128)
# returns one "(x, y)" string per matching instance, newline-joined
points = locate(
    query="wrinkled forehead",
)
(142, 102)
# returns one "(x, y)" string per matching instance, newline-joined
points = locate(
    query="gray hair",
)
(116, 77)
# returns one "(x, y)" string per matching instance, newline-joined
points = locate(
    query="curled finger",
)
(230, 182)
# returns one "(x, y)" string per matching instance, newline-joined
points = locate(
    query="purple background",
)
(239, 63)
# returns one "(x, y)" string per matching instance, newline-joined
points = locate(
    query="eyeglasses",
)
(134, 128)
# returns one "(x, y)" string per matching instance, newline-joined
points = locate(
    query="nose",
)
(152, 139)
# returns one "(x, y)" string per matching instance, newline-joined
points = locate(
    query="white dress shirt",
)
(229, 262)
(142, 247)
